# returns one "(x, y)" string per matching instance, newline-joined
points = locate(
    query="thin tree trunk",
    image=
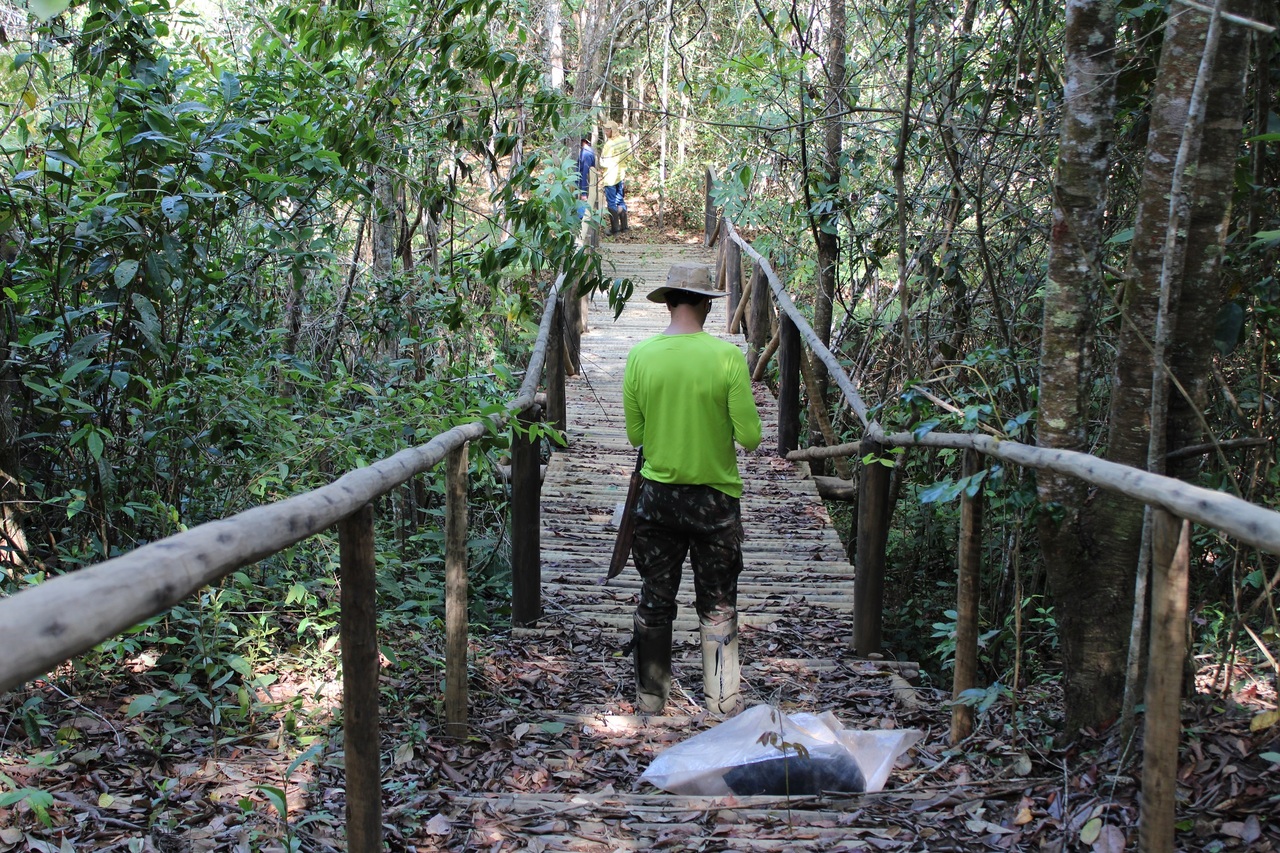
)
(826, 234)
(340, 314)
(1196, 123)
(665, 100)
(899, 182)
(555, 46)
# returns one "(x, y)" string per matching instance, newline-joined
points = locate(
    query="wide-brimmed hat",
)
(611, 125)
(689, 277)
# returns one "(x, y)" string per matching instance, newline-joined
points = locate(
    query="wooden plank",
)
(1162, 722)
(526, 568)
(869, 563)
(455, 593)
(788, 386)
(967, 588)
(359, 629)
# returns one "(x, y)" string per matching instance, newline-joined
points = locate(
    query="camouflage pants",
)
(675, 520)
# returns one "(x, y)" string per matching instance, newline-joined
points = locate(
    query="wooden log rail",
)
(45, 625)
(1177, 503)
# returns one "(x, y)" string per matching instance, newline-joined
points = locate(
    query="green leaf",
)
(141, 704)
(95, 444)
(46, 9)
(1090, 831)
(1229, 327)
(44, 338)
(125, 271)
(62, 157)
(924, 428)
(312, 752)
(75, 370)
(148, 323)
(240, 665)
(943, 491)
(174, 208)
(276, 797)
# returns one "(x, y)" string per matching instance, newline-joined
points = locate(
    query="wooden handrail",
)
(1247, 522)
(834, 368)
(44, 625)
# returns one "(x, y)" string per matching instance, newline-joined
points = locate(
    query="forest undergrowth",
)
(103, 767)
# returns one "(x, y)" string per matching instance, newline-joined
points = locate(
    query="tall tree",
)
(826, 224)
(1172, 292)
(1088, 609)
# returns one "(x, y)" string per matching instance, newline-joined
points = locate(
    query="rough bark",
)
(826, 234)
(1087, 605)
(1191, 347)
(555, 46)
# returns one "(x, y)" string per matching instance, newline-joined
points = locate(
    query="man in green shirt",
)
(687, 397)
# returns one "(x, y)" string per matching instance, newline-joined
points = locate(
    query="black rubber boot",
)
(653, 665)
(613, 221)
(720, 672)
(622, 217)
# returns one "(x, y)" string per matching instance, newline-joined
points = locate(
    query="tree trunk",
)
(1191, 347)
(555, 47)
(13, 542)
(827, 231)
(1086, 604)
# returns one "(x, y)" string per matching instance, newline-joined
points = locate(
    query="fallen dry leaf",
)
(1263, 721)
(438, 825)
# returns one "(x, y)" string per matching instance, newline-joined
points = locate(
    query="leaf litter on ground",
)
(555, 751)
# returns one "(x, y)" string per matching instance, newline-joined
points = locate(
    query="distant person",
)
(614, 155)
(586, 162)
(687, 398)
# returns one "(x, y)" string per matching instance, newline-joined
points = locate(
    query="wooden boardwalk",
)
(571, 782)
(791, 554)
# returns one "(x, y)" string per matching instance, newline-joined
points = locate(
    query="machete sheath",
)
(627, 524)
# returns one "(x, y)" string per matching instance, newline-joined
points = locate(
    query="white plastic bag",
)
(756, 753)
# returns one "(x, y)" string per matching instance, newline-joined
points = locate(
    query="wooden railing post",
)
(557, 401)
(733, 279)
(570, 310)
(590, 234)
(758, 325)
(869, 562)
(526, 549)
(711, 221)
(455, 592)
(967, 586)
(361, 746)
(788, 386)
(1162, 722)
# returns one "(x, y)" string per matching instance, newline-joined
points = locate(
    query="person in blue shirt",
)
(586, 162)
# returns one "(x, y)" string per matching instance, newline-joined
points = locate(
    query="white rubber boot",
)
(720, 673)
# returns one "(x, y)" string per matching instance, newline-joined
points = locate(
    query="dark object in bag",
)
(795, 775)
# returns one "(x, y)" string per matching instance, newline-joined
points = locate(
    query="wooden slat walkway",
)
(571, 781)
(792, 552)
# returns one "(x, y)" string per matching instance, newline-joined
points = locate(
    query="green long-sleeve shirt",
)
(687, 398)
